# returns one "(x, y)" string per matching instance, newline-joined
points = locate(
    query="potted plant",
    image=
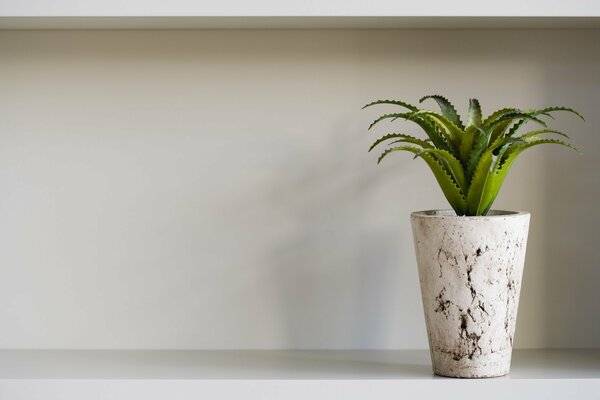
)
(470, 258)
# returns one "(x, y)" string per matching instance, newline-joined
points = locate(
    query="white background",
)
(212, 189)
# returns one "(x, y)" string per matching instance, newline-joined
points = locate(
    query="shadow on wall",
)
(328, 297)
(572, 189)
(346, 298)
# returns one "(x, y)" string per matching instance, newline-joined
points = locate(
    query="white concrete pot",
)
(470, 272)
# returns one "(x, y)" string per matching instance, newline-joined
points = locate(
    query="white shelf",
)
(296, 14)
(353, 374)
(291, 22)
(295, 8)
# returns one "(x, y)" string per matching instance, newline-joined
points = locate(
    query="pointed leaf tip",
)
(547, 110)
(448, 110)
(401, 138)
(474, 117)
(393, 102)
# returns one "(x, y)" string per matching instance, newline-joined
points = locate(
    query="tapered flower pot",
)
(470, 272)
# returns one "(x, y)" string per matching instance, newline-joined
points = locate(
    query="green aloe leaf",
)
(500, 129)
(401, 138)
(492, 134)
(493, 170)
(452, 133)
(499, 126)
(449, 187)
(389, 116)
(517, 125)
(432, 132)
(480, 191)
(522, 145)
(394, 102)
(548, 110)
(448, 110)
(428, 127)
(480, 144)
(474, 113)
(497, 114)
(452, 166)
(541, 132)
(466, 144)
(515, 117)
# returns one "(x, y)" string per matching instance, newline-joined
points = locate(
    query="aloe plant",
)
(470, 160)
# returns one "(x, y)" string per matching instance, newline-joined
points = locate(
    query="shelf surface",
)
(294, 374)
(273, 364)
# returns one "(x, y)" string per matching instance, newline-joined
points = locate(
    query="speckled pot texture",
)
(470, 272)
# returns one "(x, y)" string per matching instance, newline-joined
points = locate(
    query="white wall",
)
(212, 189)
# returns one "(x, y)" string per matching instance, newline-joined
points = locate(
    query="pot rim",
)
(447, 213)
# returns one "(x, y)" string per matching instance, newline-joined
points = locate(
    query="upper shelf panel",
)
(298, 8)
(296, 14)
(299, 23)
